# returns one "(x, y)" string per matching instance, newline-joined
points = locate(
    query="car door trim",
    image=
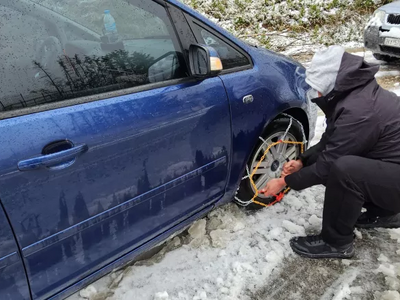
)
(96, 97)
(75, 229)
(8, 260)
(135, 253)
(182, 29)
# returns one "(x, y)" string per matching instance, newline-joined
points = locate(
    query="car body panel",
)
(13, 281)
(145, 171)
(131, 256)
(272, 83)
(158, 159)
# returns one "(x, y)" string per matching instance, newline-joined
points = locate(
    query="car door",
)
(244, 86)
(13, 282)
(104, 145)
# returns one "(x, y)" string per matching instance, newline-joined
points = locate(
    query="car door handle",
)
(55, 161)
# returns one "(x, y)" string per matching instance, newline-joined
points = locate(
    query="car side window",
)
(55, 51)
(230, 57)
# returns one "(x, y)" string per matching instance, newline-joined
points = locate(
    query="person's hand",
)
(291, 167)
(273, 187)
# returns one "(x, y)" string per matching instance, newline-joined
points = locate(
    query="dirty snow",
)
(387, 73)
(221, 260)
(319, 129)
(88, 293)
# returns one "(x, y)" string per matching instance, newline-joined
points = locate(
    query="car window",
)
(230, 57)
(132, 22)
(53, 51)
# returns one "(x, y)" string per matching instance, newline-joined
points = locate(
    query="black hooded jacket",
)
(363, 119)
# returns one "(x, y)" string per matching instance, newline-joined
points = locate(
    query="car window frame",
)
(193, 20)
(182, 28)
(108, 95)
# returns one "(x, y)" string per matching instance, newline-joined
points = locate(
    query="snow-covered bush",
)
(278, 24)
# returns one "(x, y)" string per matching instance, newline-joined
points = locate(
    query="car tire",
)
(383, 57)
(273, 164)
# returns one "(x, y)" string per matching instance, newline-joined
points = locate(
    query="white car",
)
(382, 33)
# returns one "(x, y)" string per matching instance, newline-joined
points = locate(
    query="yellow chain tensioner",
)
(278, 197)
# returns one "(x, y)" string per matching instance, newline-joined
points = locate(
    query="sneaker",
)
(313, 246)
(368, 221)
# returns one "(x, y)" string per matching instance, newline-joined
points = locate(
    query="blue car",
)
(122, 122)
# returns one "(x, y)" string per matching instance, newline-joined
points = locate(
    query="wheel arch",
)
(298, 114)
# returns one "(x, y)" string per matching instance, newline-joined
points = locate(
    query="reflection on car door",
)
(13, 283)
(110, 154)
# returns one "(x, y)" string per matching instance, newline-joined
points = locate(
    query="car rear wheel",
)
(271, 166)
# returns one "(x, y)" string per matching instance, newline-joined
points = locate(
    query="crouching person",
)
(357, 159)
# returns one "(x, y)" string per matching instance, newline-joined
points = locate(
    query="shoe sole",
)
(369, 226)
(324, 255)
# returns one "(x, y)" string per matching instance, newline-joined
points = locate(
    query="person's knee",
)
(345, 165)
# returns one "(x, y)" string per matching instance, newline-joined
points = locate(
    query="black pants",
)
(353, 183)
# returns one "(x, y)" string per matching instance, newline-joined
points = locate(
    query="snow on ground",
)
(319, 128)
(228, 255)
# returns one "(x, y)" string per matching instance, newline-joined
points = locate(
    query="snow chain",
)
(249, 175)
(278, 197)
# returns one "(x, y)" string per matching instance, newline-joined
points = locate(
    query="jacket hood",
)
(324, 68)
(354, 72)
(333, 69)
